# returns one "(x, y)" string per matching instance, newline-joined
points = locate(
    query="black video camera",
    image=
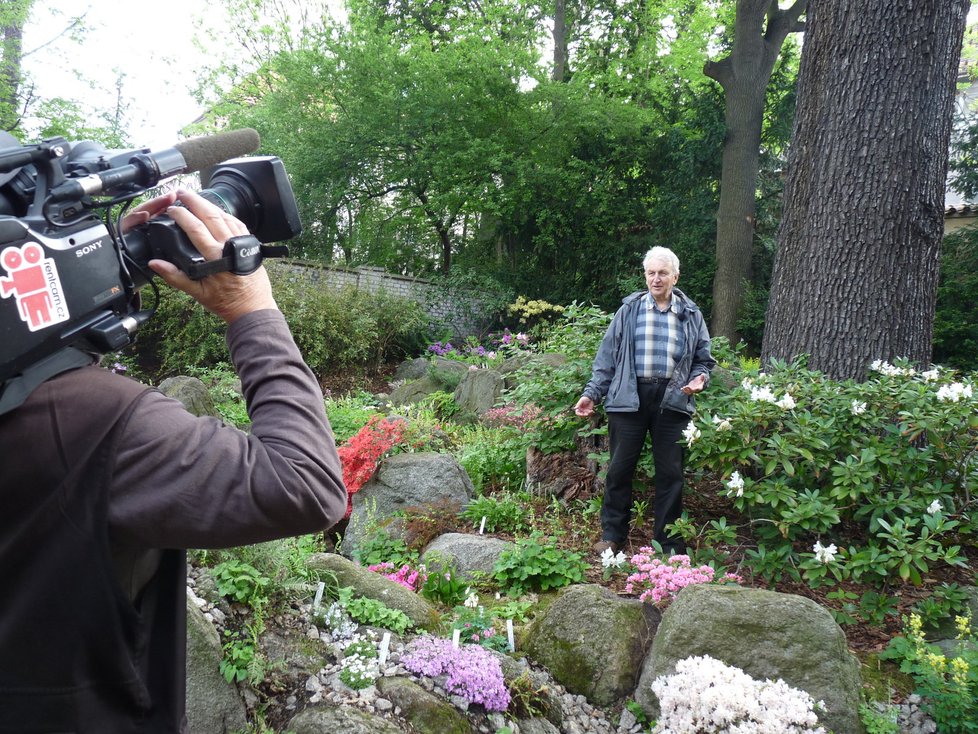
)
(69, 280)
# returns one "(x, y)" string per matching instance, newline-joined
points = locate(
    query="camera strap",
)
(242, 255)
(16, 390)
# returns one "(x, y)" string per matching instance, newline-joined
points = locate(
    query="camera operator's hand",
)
(224, 294)
(147, 210)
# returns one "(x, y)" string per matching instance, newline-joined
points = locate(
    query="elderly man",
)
(654, 357)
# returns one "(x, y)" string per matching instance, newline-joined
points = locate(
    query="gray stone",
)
(213, 704)
(192, 393)
(768, 635)
(425, 711)
(376, 586)
(479, 391)
(319, 719)
(593, 642)
(537, 726)
(402, 481)
(470, 555)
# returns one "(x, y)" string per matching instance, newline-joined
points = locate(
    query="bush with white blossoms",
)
(802, 455)
(707, 696)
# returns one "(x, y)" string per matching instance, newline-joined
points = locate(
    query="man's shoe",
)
(603, 545)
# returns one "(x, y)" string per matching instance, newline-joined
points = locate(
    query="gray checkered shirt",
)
(658, 340)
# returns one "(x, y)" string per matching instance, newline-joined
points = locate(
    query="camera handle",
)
(242, 255)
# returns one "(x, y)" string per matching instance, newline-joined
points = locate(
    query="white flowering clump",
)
(885, 368)
(338, 623)
(954, 392)
(858, 407)
(707, 696)
(736, 484)
(762, 395)
(931, 375)
(691, 433)
(934, 507)
(823, 553)
(722, 424)
(610, 560)
(787, 402)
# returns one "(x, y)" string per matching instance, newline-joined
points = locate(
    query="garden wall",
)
(460, 312)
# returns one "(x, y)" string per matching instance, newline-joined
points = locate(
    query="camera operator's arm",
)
(192, 482)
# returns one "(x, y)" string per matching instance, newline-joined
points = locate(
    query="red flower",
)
(362, 453)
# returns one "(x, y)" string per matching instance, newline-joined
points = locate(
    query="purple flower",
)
(472, 671)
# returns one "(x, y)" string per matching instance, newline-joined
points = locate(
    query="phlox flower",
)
(658, 580)
(736, 484)
(709, 697)
(472, 671)
(824, 554)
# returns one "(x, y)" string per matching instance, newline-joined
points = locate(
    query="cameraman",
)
(104, 482)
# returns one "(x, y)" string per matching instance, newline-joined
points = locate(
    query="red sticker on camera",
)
(33, 281)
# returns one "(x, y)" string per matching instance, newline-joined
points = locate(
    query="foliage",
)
(553, 389)
(443, 584)
(803, 456)
(948, 685)
(945, 602)
(241, 582)
(243, 660)
(503, 513)
(535, 564)
(956, 319)
(224, 388)
(373, 612)
(349, 413)
(358, 668)
(879, 718)
(475, 626)
(493, 458)
(379, 546)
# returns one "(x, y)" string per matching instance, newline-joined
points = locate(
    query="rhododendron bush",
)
(361, 455)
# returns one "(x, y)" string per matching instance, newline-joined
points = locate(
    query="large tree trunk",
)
(759, 33)
(855, 276)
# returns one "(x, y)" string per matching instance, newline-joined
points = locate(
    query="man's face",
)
(660, 279)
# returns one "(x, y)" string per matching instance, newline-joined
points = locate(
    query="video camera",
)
(69, 281)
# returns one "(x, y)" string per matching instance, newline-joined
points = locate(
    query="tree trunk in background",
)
(560, 41)
(13, 16)
(759, 32)
(855, 275)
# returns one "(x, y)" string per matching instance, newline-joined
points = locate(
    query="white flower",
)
(886, 368)
(747, 383)
(706, 695)
(787, 402)
(722, 424)
(824, 554)
(934, 507)
(610, 560)
(472, 600)
(736, 484)
(954, 392)
(857, 407)
(691, 433)
(931, 375)
(762, 395)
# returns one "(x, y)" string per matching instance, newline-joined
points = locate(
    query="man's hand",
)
(147, 210)
(584, 407)
(227, 295)
(695, 385)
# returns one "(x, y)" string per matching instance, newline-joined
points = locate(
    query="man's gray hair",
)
(662, 253)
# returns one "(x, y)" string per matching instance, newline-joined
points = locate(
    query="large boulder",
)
(409, 393)
(401, 482)
(192, 393)
(320, 719)
(213, 704)
(376, 586)
(426, 712)
(593, 642)
(470, 555)
(478, 391)
(768, 635)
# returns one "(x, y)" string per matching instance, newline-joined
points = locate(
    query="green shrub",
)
(535, 564)
(494, 458)
(503, 513)
(347, 415)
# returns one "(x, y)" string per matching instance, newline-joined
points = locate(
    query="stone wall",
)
(460, 313)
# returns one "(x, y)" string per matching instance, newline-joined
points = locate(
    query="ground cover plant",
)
(857, 495)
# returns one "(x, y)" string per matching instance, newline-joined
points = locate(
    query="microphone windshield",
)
(209, 150)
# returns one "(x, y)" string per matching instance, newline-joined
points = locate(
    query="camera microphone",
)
(148, 169)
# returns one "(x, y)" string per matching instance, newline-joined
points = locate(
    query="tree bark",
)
(760, 30)
(855, 275)
(12, 20)
(559, 73)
